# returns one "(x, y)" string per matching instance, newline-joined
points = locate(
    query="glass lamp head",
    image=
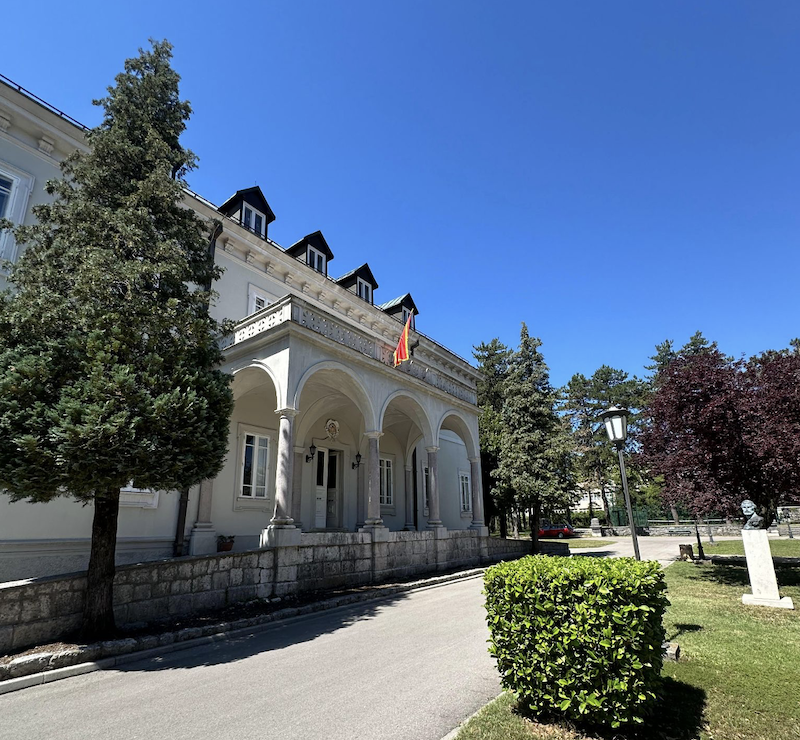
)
(616, 421)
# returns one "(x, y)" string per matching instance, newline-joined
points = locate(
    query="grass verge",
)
(589, 543)
(737, 679)
(779, 548)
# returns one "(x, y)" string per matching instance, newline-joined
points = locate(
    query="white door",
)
(321, 488)
(332, 520)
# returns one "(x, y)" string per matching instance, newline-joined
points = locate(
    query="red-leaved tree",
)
(720, 431)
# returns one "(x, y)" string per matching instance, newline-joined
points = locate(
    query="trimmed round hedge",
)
(579, 638)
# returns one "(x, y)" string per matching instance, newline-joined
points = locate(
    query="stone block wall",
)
(45, 609)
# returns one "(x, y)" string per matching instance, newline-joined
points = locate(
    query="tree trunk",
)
(515, 522)
(180, 527)
(503, 524)
(606, 507)
(674, 512)
(535, 517)
(98, 613)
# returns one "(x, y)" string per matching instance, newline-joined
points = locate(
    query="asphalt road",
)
(413, 667)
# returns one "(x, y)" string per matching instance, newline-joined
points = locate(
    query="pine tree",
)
(583, 400)
(107, 350)
(493, 365)
(527, 463)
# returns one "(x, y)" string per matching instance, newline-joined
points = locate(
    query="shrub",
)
(578, 638)
(582, 518)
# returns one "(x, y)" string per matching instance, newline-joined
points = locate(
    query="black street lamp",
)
(616, 421)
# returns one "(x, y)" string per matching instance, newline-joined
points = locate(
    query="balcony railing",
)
(294, 309)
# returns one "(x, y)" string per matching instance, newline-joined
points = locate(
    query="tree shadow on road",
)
(242, 644)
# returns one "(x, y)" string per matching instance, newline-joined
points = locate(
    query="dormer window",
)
(254, 220)
(316, 260)
(361, 282)
(312, 250)
(401, 308)
(250, 209)
(364, 290)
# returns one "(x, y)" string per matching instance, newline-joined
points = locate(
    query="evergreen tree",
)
(493, 364)
(107, 351)
(582, 401)
(527, 463)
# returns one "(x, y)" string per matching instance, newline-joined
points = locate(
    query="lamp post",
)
(616, 421)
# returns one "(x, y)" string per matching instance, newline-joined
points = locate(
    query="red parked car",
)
(556, 530)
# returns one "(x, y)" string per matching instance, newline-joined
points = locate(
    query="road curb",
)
(225, 631)
(454, 732)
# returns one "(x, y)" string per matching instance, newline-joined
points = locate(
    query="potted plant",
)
(225, 542)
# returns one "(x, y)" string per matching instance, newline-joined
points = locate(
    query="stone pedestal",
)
(597, 530)
(202, 539)
(762, 572)
(280, 536)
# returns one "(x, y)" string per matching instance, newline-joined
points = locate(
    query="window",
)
(426, 487)
(15, 188)
(406, 313)
(465, 491)
(315, 259)
(253, 220)
(364, 290)
(5, 194)
(387, 483)
(256, 300)
(255, 465)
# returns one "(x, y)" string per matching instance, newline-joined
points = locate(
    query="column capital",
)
(373, 435)
(287, 412)
(432, 448)
(474, 459)
(299, 450)
(409, 469)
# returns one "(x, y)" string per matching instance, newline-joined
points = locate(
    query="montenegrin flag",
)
(401, 353)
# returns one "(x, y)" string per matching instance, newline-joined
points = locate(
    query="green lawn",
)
(589, 542)
(738, 677)
(779, 548)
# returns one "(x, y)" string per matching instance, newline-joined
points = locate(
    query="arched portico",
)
(335, 410)
(404, 422)
(468, 479)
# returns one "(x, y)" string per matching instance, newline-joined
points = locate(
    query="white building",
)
(326, 434)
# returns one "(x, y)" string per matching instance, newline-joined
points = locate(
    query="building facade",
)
(327, 435)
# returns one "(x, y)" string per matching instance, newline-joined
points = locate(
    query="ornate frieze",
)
(423, 367)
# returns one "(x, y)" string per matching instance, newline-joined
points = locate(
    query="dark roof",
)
(363, 272)
(254, 197)
(405, 301)
(316, 240)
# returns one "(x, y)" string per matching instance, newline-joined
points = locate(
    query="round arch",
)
(262, 366)
(414, 409)
(459, 424)
(351, 387)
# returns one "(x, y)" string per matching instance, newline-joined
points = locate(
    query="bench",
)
(680, 531)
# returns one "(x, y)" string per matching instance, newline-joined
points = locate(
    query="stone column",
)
(409, 498)
(203, 537)
(283, 472)
(281, 530)
(433, 488)
(477, 496)
(361, 502)
(373, 481)
(297, 486)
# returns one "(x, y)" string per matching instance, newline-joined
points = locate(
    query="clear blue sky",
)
(611, 173)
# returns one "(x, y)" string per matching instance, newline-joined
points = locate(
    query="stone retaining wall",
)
(45, 609)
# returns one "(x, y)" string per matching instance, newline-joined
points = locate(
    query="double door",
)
(326, 488)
